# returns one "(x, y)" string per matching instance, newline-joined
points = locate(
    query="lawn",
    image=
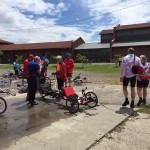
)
(145, 110)
(108, 73)
(6, 67)
(100, 68)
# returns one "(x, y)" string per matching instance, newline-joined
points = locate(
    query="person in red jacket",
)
(25, 70)
(70, 67)
(25, 65)
(61, 72)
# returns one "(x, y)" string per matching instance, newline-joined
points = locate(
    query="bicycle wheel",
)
(47, 80)
(42, 95)
(92, 99)
(42, 92)
(3, 105)
(72, 105)
(4, 83)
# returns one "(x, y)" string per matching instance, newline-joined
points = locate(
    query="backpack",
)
(134, 67)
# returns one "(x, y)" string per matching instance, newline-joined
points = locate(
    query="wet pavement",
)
(21, 120)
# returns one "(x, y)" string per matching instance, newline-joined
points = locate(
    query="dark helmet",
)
(68, 55)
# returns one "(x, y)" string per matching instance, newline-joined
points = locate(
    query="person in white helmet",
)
(43, 73)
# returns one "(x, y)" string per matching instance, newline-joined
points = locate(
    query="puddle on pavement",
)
(30, 123)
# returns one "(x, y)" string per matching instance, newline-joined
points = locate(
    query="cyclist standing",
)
(16, 67)
(69, 66)
(25, 65)
(43, 73)
(61, 73)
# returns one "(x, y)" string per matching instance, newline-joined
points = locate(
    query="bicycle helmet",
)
(59, 57)
(47, 61)
(37, 58)
(68, 55)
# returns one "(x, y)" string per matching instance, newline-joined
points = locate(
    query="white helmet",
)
(37, 58)
(58, 57)
(47, 61)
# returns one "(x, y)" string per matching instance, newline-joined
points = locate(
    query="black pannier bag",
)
(134, 67)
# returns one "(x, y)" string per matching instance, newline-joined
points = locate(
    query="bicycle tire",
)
(42, 93)
(3, 105)
(72, 105)
(4, 83)
(92, 98)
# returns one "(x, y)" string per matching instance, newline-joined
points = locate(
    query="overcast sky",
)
(30, 21)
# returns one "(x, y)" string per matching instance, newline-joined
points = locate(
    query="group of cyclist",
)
(35, 71)
(140, 79)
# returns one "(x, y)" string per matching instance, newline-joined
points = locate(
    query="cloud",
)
(128, 15)
(18, 26)
(37, 20)
(36, 6)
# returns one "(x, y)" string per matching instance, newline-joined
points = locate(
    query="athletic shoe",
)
(132, 104)
(144, 102)
(126, 102)
(139, 102)
(34, 103)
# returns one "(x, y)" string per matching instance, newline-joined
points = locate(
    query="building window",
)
(106, 38)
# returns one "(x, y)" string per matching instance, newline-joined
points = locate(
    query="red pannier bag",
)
(69, 91)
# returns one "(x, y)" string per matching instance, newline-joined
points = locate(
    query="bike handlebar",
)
(84, 89)
(7, 91)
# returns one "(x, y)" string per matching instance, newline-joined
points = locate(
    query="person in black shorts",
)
(127, 76)
(142, 83)
(132, 81)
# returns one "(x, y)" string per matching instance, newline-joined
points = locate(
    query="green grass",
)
(6, 67)
(145, 110)
(100, 68)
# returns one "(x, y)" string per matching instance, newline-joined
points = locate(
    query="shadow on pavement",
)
(18, 103)
(127, 111)
(24, 107)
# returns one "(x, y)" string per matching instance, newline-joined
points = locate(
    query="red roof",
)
(5, 42)
(32, 46)
(133, 26)
(109, 31)
(125, 27)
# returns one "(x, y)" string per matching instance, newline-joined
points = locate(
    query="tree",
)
(1, 54)
(81, 58)
(19, 58)
(117, 56)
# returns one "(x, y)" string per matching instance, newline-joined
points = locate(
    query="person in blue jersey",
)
(16, 67)
(33, 72)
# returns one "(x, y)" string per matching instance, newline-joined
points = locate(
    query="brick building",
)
(122, 37)
(95, 52)
(47, 49)
(117, 41)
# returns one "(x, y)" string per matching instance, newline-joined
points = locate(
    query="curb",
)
(111, 130)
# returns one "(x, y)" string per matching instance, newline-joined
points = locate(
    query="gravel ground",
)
(131, 135)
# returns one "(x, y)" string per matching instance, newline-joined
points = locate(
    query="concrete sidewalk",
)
(78, 132)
